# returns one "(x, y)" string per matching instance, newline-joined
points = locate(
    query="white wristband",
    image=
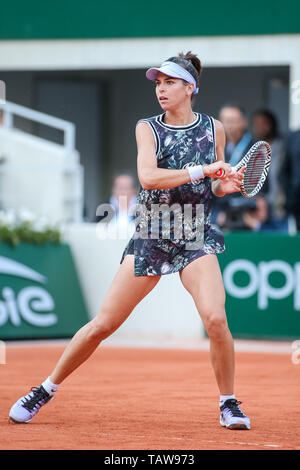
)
(196, 172)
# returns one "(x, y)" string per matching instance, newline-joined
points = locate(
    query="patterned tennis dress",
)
(173, 225)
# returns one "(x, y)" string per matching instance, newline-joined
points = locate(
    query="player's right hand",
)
(213, 168)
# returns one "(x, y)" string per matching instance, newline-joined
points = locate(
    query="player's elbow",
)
(146, 184)
(147, 180)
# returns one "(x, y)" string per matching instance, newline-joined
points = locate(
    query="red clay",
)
(150, 399)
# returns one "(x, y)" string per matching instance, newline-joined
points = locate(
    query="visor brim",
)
(152, 73)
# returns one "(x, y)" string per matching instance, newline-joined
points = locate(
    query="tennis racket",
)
(256, 162)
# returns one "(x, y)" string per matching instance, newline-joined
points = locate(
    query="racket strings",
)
(255, 171)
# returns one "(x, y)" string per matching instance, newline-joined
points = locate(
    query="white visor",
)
(172, 70)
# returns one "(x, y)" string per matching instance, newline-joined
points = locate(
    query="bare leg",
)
(125, 292)
(203, 280)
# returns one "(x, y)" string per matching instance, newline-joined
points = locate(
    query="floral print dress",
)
(173, 225)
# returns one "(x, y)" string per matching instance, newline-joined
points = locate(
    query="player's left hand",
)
(232, 182)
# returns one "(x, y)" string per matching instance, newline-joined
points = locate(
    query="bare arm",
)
(231, 182)
(220, 147)
(149, 175)
(152, 177)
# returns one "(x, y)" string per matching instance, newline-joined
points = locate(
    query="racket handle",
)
(219, 173)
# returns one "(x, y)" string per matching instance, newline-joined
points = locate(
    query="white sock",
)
(50, 387)
(223, 398)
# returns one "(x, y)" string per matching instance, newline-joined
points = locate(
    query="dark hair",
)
(272, 121)
(236, 105)
(189, 62)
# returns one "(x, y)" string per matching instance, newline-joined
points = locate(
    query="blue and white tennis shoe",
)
(232, 416)
(28, 406)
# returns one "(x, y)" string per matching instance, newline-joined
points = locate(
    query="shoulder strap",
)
(213, 130)
(150, 122)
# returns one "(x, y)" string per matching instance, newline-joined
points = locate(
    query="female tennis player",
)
(179, 153)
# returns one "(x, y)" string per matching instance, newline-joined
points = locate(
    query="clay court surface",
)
(151, 399)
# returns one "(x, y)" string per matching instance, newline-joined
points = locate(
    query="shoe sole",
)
(237, 426)
(12, 420)
(242, 427)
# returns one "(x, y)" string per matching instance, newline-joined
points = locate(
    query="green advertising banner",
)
(261, 275)
(40, 294)
(74, 19)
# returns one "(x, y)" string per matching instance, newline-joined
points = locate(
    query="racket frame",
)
(244, 161)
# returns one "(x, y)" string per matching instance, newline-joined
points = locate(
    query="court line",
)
(248, 346)
(241, 345)
(206, 441)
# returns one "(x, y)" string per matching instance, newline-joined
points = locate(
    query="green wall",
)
(40, 292)
(261, 273)
(70, 19)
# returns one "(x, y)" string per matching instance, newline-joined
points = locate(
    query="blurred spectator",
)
(123, 198)
(238, 142)
(259, 219)
(265, 127)
(291, 176)
(250, 214)
(231, 215)
(238, 138)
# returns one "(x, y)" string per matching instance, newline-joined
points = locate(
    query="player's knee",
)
(100, 328)
(216, 326)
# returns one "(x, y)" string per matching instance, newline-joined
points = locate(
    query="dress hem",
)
(176, 270)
